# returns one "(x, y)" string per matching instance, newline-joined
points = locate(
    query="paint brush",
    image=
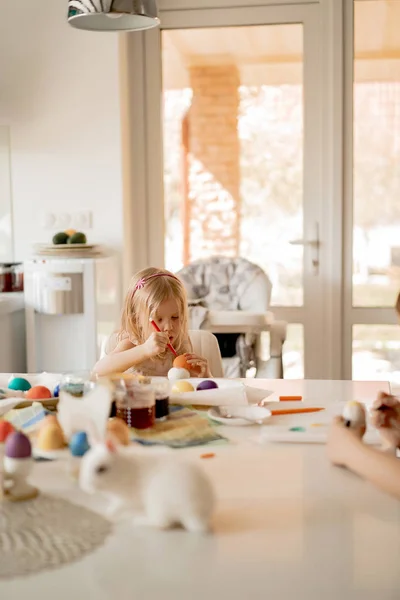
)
(295, 411)
(170, 346)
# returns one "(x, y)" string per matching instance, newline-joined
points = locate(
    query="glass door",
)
(372, 333)
(236, 98)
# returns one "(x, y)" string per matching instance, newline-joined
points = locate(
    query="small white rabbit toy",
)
(164, 492)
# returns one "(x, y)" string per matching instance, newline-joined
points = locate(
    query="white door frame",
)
(353, 315)
(142, 150)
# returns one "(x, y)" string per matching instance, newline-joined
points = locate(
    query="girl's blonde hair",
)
(148, 289)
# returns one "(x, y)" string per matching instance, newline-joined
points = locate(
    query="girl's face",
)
(167, 318)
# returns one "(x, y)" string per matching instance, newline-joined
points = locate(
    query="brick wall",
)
(213, 162)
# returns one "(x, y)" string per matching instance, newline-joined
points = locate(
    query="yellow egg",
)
(182, 386)
(50, 438)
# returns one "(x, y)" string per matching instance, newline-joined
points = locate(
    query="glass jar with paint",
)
(77, 384)
(162, 388)
(137, 407)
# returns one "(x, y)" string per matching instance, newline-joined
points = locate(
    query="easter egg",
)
(354, 414)
(19, 383)
(176, 373)
(78, 443)
(207, 384)
(50, 437)
(18, 446)
(38, 392)
(5, 430)
(120, 430)
(56, 391)
(180, 362)
(50, 420)
(182, 386)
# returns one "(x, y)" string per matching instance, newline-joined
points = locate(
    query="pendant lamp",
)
(113, 15)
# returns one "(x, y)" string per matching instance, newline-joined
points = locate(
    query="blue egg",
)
(56, 392)
(79, 444)
(20, 384)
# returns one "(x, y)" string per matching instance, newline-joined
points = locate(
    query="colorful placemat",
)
(183, 428)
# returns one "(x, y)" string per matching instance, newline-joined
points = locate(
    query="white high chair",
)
(232, 296)
(204, 344)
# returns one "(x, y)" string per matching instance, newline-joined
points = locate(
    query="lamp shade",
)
(113, 15)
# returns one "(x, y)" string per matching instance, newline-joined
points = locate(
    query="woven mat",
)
(46, 533)
(183, 428)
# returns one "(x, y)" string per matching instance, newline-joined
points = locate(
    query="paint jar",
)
(77, 384)
(5, 278)
(162, 388)
(137, 406)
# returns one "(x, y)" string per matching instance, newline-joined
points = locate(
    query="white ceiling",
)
(273, 53)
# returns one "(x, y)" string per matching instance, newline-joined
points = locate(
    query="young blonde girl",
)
(154, 294)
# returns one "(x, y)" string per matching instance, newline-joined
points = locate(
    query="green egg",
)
(20, 384)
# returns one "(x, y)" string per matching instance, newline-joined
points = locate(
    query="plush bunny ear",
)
(89, 413)
(110, 444)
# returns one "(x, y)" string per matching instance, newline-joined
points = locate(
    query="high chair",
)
(230, 297)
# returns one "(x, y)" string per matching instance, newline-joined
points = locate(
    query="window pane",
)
(376, 352)
(376, 225)
(233, 149)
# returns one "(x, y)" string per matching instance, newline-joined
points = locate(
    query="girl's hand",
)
(385, 416)
(156, 343)
(201, 365)
(342, 441)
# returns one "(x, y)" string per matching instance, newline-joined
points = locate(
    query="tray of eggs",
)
(199, 391)
(20, 387)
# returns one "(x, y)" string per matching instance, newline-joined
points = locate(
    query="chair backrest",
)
(224, 283)
(204, 344)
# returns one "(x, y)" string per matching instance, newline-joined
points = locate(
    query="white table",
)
(288, 526)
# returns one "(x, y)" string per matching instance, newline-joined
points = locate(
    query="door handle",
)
(315, 244)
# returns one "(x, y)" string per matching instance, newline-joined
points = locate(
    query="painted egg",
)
(78, 443)
(38, 392)
(120, 430)
(5, 430)
(354, 414)
(207, 384)
(56, 391)
(50, 437)
(20, 384)
(182, 386)
(177, 373)
(50, 420)
(180, 362)
(18, 446)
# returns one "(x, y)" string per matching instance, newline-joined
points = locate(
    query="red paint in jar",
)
(138, 418)
(137, 406)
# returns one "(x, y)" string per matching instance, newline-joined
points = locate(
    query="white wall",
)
(59, 92)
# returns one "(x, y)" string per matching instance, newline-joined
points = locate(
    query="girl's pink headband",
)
(140, 284)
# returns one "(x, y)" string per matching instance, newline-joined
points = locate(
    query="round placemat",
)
(46, 533)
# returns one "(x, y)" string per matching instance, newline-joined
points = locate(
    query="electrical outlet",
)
(48, 220)
(63, 221)
(82, 220)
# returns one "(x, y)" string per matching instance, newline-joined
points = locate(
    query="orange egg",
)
(120, 430)
(38, 392)
(180, 362)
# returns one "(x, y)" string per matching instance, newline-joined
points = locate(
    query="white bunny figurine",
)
(163, 492)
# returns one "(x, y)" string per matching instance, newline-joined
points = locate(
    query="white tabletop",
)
(288, 525)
